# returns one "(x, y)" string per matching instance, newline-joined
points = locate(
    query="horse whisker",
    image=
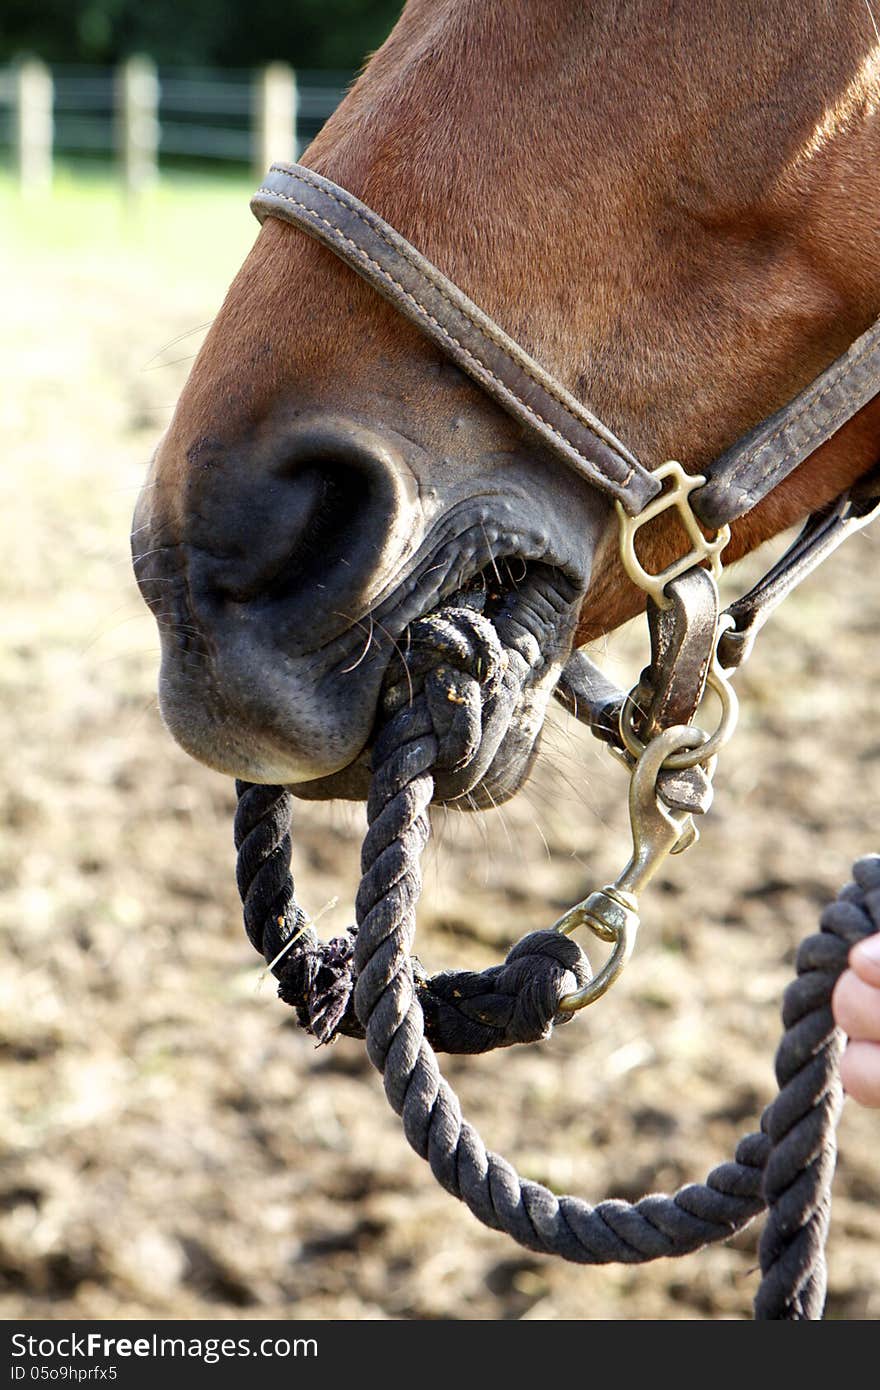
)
(200, 328)
(346, 669)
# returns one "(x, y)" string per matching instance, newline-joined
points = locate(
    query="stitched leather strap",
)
(820, 537)
(463, 332)
(758, 461)
(737, 480)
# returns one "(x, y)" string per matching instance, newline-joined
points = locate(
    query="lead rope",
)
(787, 1166)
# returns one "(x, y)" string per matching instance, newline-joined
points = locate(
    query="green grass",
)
(194, 225)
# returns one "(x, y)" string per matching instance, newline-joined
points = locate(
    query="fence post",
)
(137, 124)
(32, 96)
(274, 130)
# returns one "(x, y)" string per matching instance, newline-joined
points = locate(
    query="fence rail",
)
(142, 116)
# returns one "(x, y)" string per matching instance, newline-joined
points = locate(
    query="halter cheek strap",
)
(759, 461)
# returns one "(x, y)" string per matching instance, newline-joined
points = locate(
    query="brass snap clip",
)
(612, 913)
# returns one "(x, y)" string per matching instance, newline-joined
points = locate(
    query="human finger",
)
(856, 1007)
(860, 1072)
(864, 959)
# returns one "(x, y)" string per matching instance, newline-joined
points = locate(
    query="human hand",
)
(855, 1004)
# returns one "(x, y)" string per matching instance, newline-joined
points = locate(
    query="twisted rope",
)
(801, 1123)
(464, 1011)
(788, 1165)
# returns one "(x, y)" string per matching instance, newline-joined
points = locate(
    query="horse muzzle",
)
(284, 576)
(260, 568)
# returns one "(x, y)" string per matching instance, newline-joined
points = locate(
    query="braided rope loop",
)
(390, 1012)
(369, 983)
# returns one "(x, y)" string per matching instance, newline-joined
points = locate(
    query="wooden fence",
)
(144, 117)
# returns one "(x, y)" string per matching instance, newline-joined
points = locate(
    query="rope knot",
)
(317, 980)
(516, 1002)
(455, 660)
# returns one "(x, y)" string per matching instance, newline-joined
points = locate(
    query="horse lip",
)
(267, 729)
(517, 619)
(470, 539)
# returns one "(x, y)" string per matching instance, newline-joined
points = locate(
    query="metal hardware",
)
(658, 829)
(612, 912)
(710, 744)
(683, 484)
(683, 639)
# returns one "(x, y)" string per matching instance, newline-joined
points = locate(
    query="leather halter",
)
(744, 474)
(444, 314)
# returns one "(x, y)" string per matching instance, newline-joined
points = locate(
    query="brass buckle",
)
(702, 549)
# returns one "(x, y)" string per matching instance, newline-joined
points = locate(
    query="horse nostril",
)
(310, 529)
(327, 510)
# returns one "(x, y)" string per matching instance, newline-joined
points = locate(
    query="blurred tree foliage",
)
(227, 33)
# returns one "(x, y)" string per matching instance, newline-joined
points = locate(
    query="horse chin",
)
(507, 772)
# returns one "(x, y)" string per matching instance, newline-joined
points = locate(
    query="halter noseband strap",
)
(375, 251)
(737, 480)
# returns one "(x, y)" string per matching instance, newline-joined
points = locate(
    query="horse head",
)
(675, 210)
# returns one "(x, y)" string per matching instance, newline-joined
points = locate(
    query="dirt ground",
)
(173, 1146)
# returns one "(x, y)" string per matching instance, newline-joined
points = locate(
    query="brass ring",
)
(709, 745)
